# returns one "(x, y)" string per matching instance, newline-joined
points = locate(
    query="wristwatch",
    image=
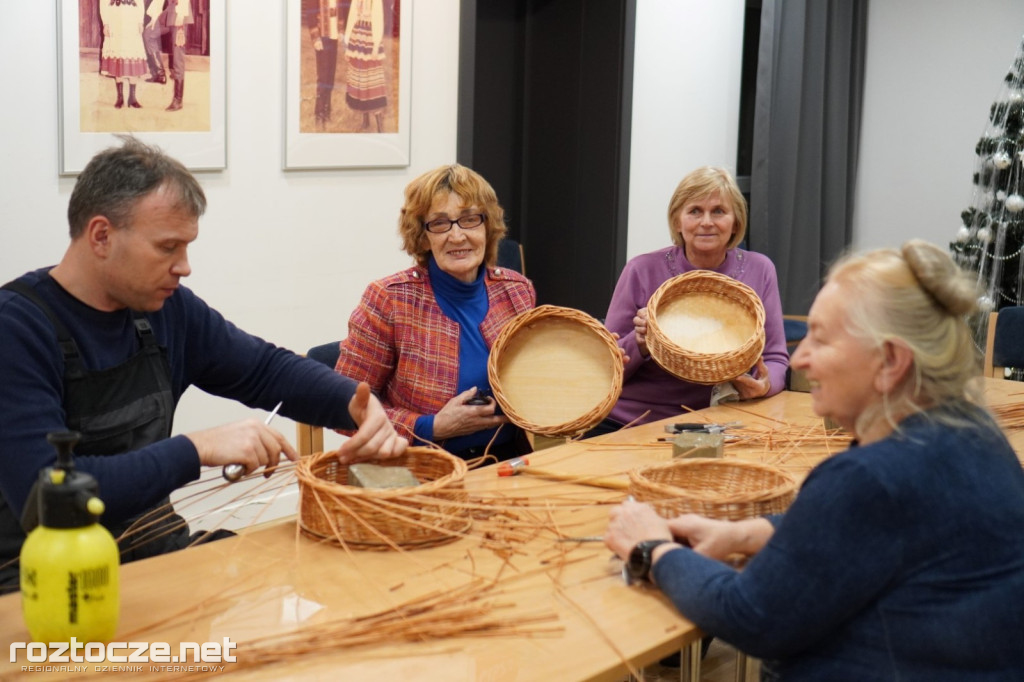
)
(638, 567)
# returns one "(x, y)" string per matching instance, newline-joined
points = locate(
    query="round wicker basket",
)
(555, 371)
(379, 518)
(705, 327)
(716, 488)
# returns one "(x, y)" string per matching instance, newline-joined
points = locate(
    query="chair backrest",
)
(795, 327)
(510, 255)
(308, 438)
(326, 353)
(1004, 343)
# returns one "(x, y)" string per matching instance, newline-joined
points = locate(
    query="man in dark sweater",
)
(106, 342)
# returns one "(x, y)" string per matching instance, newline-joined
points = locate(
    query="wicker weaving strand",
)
(382, 518)
(705, 327)
(716, 488)
(555, 371)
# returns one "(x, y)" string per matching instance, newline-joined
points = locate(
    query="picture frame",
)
(353, 119)
(89, 119)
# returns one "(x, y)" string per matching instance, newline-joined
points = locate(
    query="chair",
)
(1004, 343)
(796, 329)
(308, 438)
(510, 255)
(326, 353)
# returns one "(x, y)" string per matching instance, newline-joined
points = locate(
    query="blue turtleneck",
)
(467, 305)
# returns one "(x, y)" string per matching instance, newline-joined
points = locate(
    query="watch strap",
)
(640, 558)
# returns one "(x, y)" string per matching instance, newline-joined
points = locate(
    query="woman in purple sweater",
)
(707, 219)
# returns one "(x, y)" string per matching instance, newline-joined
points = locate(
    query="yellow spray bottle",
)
(69, 562)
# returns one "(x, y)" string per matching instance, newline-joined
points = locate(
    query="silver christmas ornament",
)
(985, 304)
(985, 235)
(1014, 203)
(1001, 160)
(962, 234)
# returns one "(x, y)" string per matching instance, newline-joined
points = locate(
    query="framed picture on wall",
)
(347, 83)
(151, 68)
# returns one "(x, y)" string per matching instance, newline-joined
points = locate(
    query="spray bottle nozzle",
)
(65, 442)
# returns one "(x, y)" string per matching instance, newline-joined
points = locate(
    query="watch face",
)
(639, 564)
(635, 565)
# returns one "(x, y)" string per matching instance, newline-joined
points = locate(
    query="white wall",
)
(933, 69)
(686, 100)
(284, 255)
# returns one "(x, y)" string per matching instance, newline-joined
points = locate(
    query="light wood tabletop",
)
(548, 610)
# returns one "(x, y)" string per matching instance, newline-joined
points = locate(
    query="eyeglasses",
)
(466, 222)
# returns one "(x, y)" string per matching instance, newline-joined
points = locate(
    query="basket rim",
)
(785, 483)
(705, 368)
(326, 507)
(307, 467)
(582, 423)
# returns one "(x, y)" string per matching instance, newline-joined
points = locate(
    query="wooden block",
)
(832, 425)
(364, 475)
(698, 444)
(798, 381)
(540, 442)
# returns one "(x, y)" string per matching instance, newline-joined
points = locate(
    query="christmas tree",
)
(991, 237)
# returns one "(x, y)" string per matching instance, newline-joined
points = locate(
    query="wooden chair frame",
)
(988, 369)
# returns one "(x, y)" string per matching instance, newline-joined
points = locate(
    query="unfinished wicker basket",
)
(383, 518)
(716, 488)
(555, 371)
(705, 327)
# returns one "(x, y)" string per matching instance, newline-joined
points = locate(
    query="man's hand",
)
(250, 443)
(376, 437)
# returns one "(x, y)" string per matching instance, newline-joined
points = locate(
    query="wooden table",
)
(272, 581)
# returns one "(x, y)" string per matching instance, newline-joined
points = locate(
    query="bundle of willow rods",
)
(475, 609)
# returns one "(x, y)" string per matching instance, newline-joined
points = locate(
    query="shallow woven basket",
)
(555, 371)
(705, 327)
(716, 488)
(378, 518)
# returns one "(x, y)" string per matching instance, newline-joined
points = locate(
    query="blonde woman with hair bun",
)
(901, 558)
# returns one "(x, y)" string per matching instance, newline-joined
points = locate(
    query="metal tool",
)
(233, 472)
(681, 427)
(521, 465)
(582, 538)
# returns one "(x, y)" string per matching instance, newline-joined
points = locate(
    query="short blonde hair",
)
(700, 184)
(468, 185)
(917, 295)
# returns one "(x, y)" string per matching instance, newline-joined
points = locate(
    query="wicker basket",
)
(555, 371)
(716, 488)
(380, 518)
(705, 327)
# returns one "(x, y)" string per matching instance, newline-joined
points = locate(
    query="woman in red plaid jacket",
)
(421, 337)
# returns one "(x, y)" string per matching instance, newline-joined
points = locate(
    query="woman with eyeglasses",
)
(421, 337)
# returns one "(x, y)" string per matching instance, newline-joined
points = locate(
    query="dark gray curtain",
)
(806, 129)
